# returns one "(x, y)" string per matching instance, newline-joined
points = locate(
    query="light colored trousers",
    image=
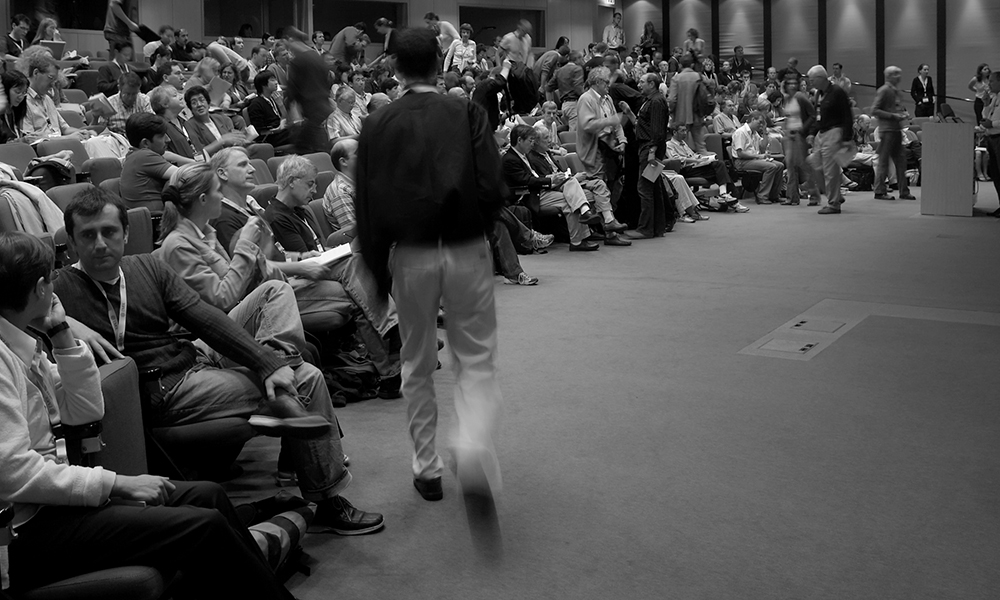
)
(827, 171)
(458, 276)
(570, 199)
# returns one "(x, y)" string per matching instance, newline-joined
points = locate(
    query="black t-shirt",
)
(308, 86)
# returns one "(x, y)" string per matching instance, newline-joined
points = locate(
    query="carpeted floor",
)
(644, 458)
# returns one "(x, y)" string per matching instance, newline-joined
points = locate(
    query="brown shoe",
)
(284, 416)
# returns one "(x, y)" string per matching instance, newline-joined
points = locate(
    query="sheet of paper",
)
(331, 256)
(652, 171)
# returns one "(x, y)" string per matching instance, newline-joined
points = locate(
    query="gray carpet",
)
(644, 458)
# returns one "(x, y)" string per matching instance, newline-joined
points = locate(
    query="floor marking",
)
(813, 331)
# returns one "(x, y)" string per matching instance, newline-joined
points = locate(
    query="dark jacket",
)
(262, 115)
(835, 111)
(518, 175)
(442, 183)
(107, 79)
(485, 95)
(200, 134)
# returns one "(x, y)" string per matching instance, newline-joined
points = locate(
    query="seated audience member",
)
(543, 191)
(750, 154)
(209, 132)
(323, 304)
(154, 76)
(183, 50)
(378, 101)
(390, 87)
(726, 122)
(171, 75)
(264, 113)
(15, 87)
(274, 388)
(696, 165)
(14, 43)
(167, 38)
(237, 97)
(547, 128)
(167, 104)
(145, 171)
(108, 74)
(358, 83)
(63, 519)
(205, 71)
(343, 121)
(295, 229)
(127, 102)
(594, 190)
(42, 119)
(282, 58)
(338, 199)
(259, 57)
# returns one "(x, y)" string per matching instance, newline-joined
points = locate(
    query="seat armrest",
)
(673, 164)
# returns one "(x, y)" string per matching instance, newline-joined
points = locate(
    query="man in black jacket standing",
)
(432, 201)
(487, 90)
(831, 136)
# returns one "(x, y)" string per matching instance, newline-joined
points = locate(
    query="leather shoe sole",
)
(583, 247)
(829, 210)
(616, 241)
(430, 489)
(615, 227)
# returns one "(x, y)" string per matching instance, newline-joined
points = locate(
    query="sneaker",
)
(540, 241)
(337, 515)
(740, 208)
(687, 219)
(523, 279)
(728, 198)
(700, 217)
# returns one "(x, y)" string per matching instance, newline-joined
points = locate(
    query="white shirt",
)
(614, 36)
(746, 140)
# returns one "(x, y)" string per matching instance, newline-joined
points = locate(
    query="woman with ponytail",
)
(255, 296)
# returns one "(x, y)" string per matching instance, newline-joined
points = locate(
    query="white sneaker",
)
(740, 208)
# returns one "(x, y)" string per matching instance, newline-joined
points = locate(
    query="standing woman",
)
(650, 41)
(709, 76)
(562, 41)
(462, 52)
(922, 92)
(694, 44)
(980, 86)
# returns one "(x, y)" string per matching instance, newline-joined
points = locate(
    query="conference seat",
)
(102, 169)
(261, 173)
(17, 155)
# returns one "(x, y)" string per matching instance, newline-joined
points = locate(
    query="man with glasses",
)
(600, 138)
(13, 44)
(43, 119)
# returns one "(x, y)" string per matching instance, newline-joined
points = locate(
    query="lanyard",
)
(117, 321)
(526, 163)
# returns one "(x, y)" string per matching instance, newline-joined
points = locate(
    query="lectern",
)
(946, 181)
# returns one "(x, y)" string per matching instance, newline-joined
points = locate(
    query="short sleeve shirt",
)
(113, 24)
(144, 173)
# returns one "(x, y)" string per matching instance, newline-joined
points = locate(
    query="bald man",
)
(889, 110)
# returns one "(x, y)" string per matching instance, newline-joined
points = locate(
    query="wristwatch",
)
(57, 329)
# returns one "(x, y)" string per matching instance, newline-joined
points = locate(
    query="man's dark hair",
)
(159, 51)
(432, 17)
(261, 79)
(143, 126)
(687, 61)
(520, 132)
(24, 259)
(418, 53)
(256, 50)
(165, 28)
(196, 90)
(129, 79)
(737, 48)
(756, 116)
(90, 202)
(655, 78)
(360, 26)
(385, 87)
(18, 19)
(164, 71)
(119, 46)
(838, 65)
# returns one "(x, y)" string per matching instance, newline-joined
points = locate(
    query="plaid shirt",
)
(116, 123)
(338, 203)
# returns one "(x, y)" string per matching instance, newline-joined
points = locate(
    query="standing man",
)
(309, 92)
(614, 35)
(517, 44)
(12, 45)
(600, 139)
(118, 26)
(889, 110)
(433, 202)
(829, 137)
(838, 78)
(445, 31)
(344, 43)
(680, 99)
(568, 82)
(991, 123)
(740, 64)
(651, 136)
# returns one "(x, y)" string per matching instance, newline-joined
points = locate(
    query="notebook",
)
(56, 48)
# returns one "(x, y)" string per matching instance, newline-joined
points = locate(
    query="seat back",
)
(140, 231)
(102, 169)
(62, 195)
(17, 155)
(713, 143)
(567, 137)
(263, 194)
(112, 186)
(261, 172)
(125, 446)
(570, 146)
(321, 160)
(80, 156)
(73, 118)
(273, 164)
(323, 181)
(774, 146)
(7, 220)
(74, 96)
(574, 162)
(86, 81)
(316, 206)
(261, 151)
(946, 113)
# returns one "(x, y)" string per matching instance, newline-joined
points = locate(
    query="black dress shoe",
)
(907, 197)
(430, 489)
(337, 515)
(884, 197)
(388, 388)
(583, 246)
(763, 201)
(284, 416)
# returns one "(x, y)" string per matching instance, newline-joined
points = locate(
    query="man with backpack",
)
(689, 102)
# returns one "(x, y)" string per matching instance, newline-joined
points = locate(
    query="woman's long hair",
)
(186, 187)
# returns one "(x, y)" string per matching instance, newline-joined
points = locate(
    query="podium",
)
(947, 183)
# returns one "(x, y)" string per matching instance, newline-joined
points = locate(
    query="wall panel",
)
(971, 33)
(795, 29)
(741, 23)
(851, 42)
(685, 14)
(635, 15)
(911, 36)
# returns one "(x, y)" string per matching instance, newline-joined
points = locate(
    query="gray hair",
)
(598, 74)
(817, 71)
(294, 167)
